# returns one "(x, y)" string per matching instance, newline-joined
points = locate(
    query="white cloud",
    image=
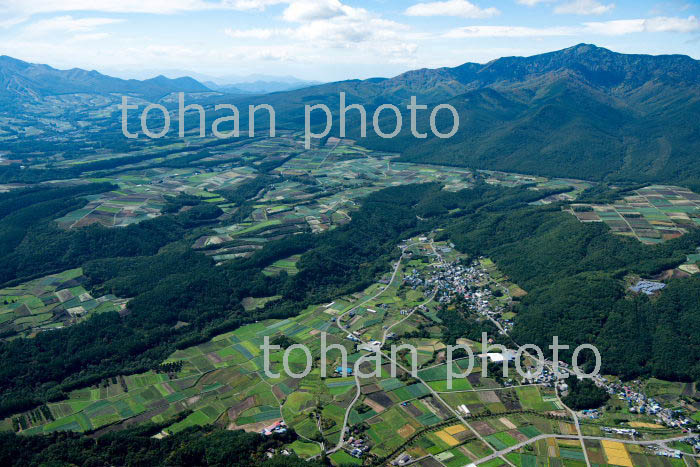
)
(253, 4)
(251, 33)
(333, 29)
(67, 24)
(658, 24)
(95, 36)
(616, 28)
(508, 31)
(310, 10)
(16, 11)
(532, 2)
(584, 7)
(603, 28)
(461, 8)
(666, 24)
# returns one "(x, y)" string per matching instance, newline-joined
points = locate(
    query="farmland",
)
(50, 302)
(652, 214)
(223, 382)
(313, 190)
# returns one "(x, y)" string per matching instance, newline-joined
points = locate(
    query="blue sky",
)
(329, 39)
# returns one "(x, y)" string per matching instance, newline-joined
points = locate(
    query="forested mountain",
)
(637, 78)
(21, 80)
(581, 112)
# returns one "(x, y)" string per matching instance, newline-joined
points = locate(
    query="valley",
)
(140, 279)
(221, 382)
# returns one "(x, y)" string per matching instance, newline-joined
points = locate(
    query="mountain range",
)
(19, 79)
(583, 112)
(260, 86)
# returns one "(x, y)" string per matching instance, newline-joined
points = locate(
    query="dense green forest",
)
(175, 284)
(152, 262)
(31, 244)
(584, 394)
(573, 275)
(196, 446)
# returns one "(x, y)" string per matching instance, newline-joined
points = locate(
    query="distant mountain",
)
(584, 111)
(260, 87)
(232, 84)
(19, 79)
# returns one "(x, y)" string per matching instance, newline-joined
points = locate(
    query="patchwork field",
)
(48, 303)
(652, 215)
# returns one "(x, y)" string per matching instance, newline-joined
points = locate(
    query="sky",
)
(329, 40)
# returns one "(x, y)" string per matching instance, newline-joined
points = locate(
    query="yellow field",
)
(447, 438)
(645, 425)
(508, 424)
(454, 429)
(616, 453)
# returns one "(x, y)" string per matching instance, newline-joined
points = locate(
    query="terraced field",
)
(225, 381)
(50, 302)
(652, 215)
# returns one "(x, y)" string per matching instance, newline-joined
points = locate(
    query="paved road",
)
(430, 299)
(556, 391)
(344, 329)
(576, 423)
(497, 454)
(595, 438)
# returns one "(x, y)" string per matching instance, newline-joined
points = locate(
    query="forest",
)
(584, 394)
(175, 284)
(196, 446)
(574, 275)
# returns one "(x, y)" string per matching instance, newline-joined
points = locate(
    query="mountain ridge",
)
(19, 78)
(583, 112)
(580, 112)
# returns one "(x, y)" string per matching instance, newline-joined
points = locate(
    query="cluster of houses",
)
(549, 378)
(694, 441)
(373, 346)
(665, 452)
(639, 403)
(454, 279)
(675, 453)
(270, 453)
(278, 427)
(357, 447)
(353, 337)
(621, 431)
(403, 459)
(591, 413)
(414, 279)
(647, 287)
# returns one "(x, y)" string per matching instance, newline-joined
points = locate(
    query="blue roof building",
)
(339, 370)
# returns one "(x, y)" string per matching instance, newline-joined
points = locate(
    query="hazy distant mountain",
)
(260, 87)
(19, 79)
(232, 84)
